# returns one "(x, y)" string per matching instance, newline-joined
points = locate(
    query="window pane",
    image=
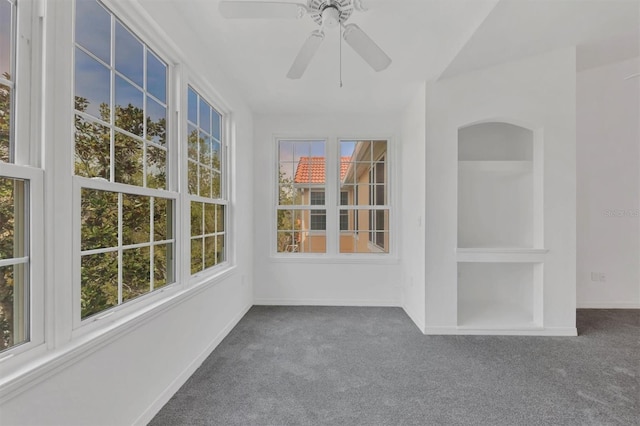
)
(162, 219)
(205, 182)
(92, 148)
(129, 55)
(366, 231)
(216, 155)
(92, 83)
(5, 123)
(220, 249)
(99, 220)
(136, 272)
(209, 252)
(128, 161)
(193, 177)
(6, 35)
(136, 210)
(209, 218)
(156, 122)
(196, 255)
(13, 306)
(128, 107)
(156, 168)
(93, 28)
(99, 283)
(215, 124)
(196, 218)
(192, 99)
(192, 143)
(220, 219)
(156, 77)
(205, 150)
(204, 115)
(162, 265)
(216, 190)
(12, 218)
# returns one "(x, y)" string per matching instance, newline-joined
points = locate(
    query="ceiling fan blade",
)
(261, 10)
(365, 47)
(308, 51)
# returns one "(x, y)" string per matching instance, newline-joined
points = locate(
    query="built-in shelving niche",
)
(500, 227)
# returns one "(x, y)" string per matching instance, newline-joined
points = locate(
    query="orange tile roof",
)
(311, 169)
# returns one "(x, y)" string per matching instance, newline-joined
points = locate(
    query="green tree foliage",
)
(287, 224)
(99, 229)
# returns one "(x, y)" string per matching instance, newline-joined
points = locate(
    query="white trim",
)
(608, 305)
(328, 302)
(150, 412)
(457, 331)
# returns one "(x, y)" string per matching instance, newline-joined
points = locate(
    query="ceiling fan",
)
(327, 14)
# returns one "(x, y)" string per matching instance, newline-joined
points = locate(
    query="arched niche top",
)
(495, 141)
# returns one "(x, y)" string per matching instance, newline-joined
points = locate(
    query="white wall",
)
(331, 281)
(538, 92)
(412, 214)
(608, 151)
(124, 372)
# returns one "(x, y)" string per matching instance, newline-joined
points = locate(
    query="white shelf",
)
(496, 166)
(495, 316)
(501, 254)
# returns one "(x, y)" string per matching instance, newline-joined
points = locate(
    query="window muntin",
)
(301, 183)
(7, 75)
(120, 102)
(205, 183)
(14, 262)
(127, 241)
(365, 208)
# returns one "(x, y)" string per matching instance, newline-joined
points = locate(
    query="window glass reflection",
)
(129, 54)
(156, 77)
(93, 28)
(91, 86)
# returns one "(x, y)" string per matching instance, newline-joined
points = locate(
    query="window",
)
(21, 308)
(365, 209)
(360, 205)
(121, 149)
(301, 183)
(205, 170)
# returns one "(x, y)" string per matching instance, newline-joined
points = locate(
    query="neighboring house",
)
(362, 184)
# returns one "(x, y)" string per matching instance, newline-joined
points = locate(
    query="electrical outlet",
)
(595, 276)
(603, 277)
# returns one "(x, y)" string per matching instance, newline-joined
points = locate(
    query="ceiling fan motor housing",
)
(330, 17)
(330, 13)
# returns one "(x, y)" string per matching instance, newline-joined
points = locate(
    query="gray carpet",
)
(371, 366)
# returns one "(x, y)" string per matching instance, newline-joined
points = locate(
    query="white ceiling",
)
(603, 30)
(421, 37)
(425, 38)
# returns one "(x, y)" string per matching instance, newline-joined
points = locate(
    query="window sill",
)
(25, 375)
(372, 258)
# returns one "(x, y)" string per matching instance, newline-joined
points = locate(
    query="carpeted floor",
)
(371, 366)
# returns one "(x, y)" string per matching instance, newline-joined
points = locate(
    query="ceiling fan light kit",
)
(327, 14)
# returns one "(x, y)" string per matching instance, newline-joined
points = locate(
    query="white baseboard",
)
(326, 302)
(177, 383)
(549, 331)
(419, 322)
(608, 305)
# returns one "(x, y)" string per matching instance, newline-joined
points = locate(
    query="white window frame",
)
(332, 204)
(26, 166)
(213, 99)
(131, 307)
